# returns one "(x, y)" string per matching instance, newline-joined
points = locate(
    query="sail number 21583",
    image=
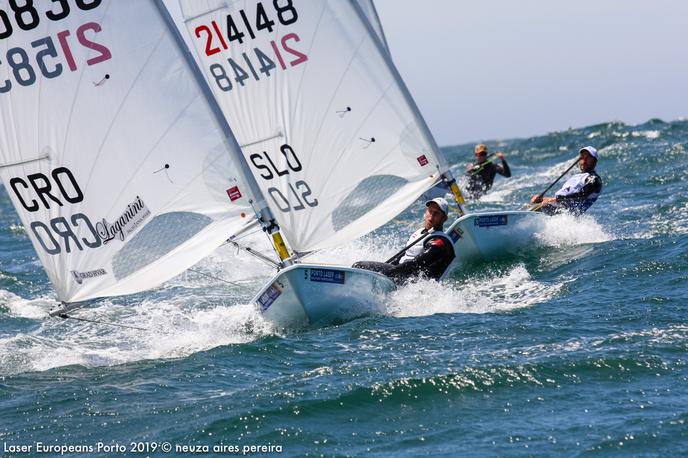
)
(47, 55)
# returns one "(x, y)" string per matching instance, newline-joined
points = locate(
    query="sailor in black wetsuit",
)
(480, 176)
(429, 257)
(579, 192)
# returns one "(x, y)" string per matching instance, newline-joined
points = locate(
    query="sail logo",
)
(132, 218)
(234, 193)
(79, 277)
(422, 160)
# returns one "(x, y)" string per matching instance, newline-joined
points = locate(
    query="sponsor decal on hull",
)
(269, 296)
(328, 276)
(491, 220)
(455, 234)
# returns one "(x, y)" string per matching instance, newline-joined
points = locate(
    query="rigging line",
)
(216, 278)
(118, 325)
(242, 236)
(255, 253)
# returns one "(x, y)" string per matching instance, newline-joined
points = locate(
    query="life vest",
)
(418, 248)
(574, 185)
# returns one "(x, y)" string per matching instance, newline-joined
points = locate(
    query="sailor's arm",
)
(503, 169)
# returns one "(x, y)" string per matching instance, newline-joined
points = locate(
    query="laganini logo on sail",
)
(135, 214)
(79, 277)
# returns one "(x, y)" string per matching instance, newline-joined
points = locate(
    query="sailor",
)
(579, 192)
(429, 257)
(482, 175)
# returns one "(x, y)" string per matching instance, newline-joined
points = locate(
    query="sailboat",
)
(129, 159)
(111, 150)
(331, 134)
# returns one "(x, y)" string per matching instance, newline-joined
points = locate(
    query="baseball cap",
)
(441, 202)
(481, 148)
(592, 151)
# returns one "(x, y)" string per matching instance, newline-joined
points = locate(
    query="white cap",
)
(591, 150)
(441, 202)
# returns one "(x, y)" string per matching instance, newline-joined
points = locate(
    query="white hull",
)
(488, 235)
(315, 294)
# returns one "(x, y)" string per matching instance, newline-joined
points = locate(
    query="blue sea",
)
(578, 347)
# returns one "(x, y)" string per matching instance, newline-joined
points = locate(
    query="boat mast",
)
(266, 218)
(446, 173)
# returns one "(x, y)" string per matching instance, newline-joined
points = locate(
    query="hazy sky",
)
(493, 69)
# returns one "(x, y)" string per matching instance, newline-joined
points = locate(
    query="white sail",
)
(110, 153)
(326, 124)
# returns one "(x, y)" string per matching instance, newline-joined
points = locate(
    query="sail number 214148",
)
(251, 61)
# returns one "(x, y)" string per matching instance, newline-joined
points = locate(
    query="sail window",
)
(367, 195)
(157, 238)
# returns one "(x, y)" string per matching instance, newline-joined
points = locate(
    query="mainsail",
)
(112, 157)
(323, 118)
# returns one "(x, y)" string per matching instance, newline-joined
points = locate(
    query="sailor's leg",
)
(381, 267)
(549, 209)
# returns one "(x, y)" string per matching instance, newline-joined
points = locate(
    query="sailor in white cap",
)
(579, 192)
(428, 252)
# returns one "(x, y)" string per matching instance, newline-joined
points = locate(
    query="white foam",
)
(486, 294)
(26, 308)
(379, 247)
(169, 331)
(17, 229)
(649, 134)
(189, 314)
(567, 230)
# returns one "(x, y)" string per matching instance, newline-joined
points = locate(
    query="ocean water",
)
(578, 347)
